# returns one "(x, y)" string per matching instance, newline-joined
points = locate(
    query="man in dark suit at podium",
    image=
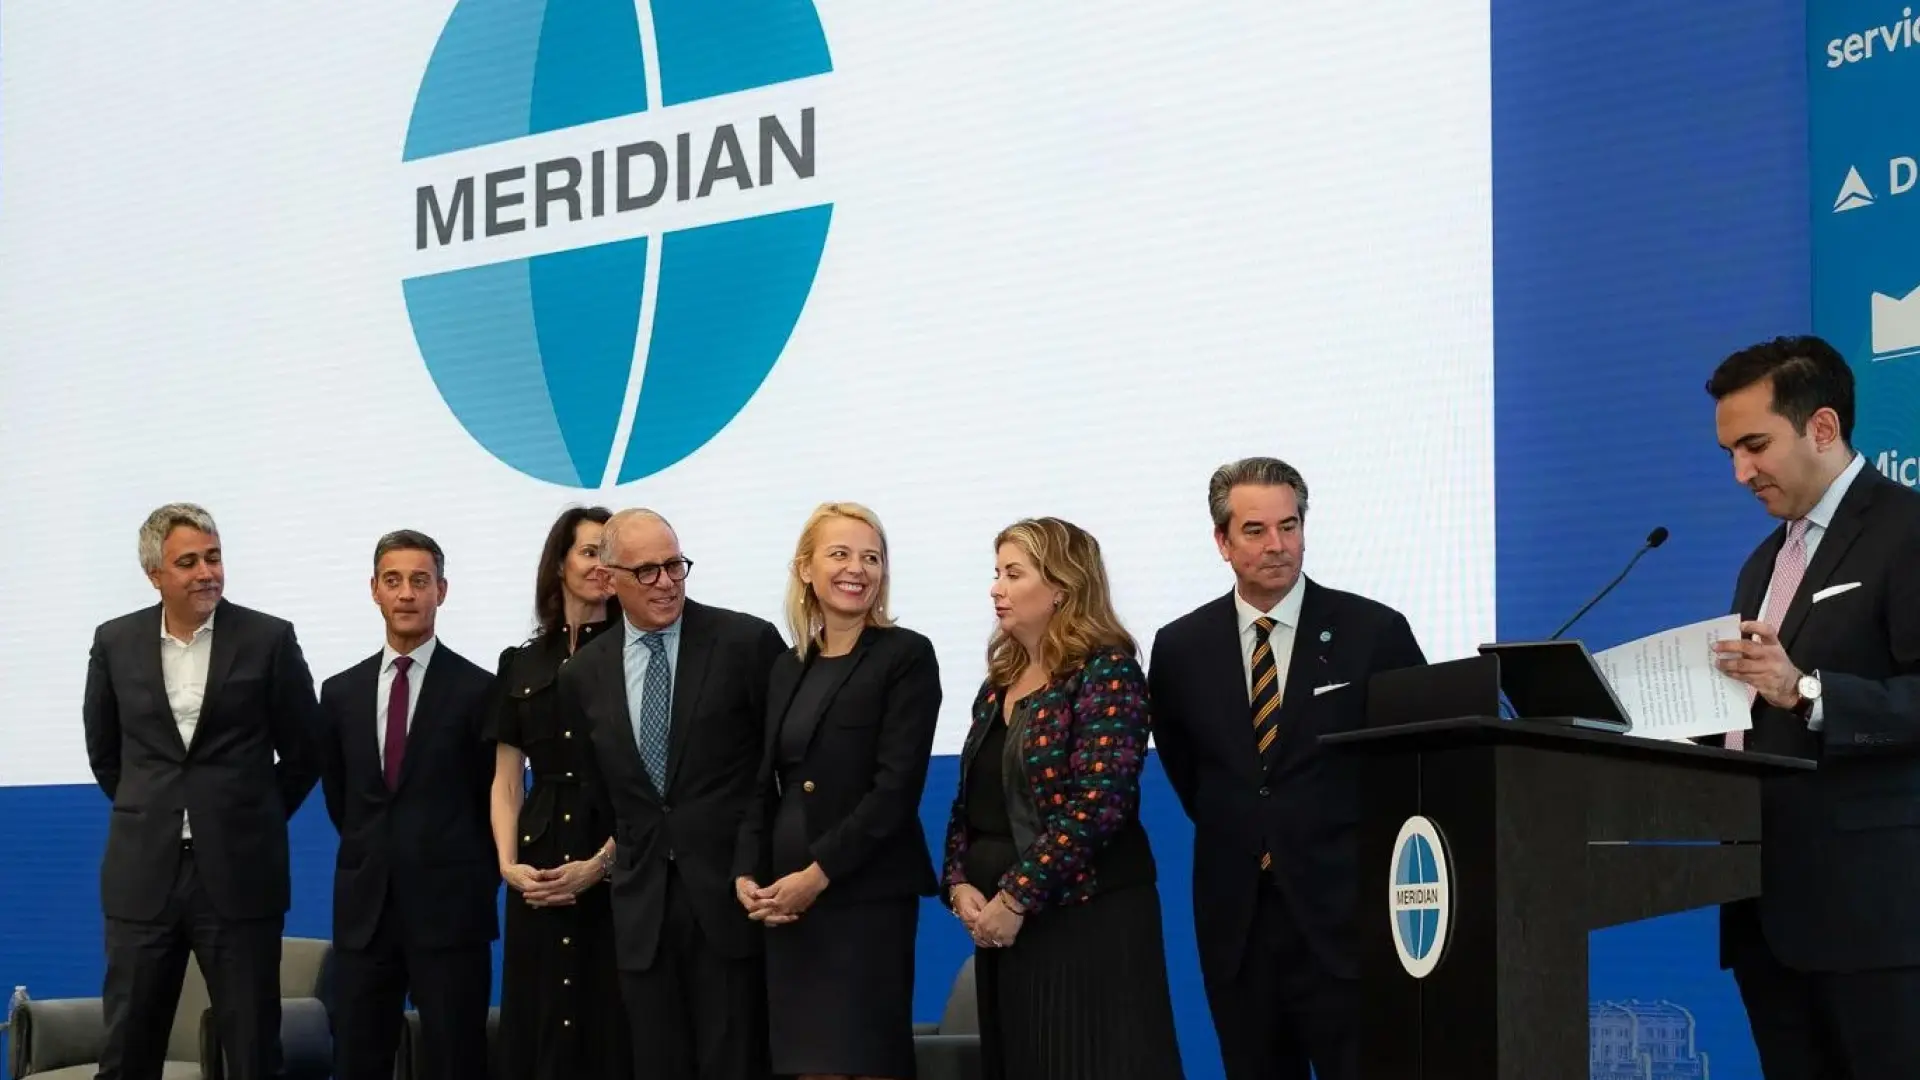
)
(676, 708)
(407, 772)
(1243, 687)
(1828, 959)
(188, 704)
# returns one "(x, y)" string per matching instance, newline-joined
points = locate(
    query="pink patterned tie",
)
(1788, 568)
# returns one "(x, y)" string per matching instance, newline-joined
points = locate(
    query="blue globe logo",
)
(595, 361)
(1419, 897)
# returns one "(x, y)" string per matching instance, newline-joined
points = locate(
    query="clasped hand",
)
(783, 901)
(1758, 659)
(992, 925)
(556, 887)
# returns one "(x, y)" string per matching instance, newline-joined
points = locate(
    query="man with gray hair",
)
(188, 704)
(1243, 687)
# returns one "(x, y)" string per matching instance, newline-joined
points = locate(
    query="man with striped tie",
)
(676, 709)
(1243, 687)
(1828, 959)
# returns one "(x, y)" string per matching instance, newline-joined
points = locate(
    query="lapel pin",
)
(1326, 636)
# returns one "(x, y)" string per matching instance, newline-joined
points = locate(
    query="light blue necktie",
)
(656, 710)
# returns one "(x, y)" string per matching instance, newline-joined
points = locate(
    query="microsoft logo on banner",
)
(614, 222)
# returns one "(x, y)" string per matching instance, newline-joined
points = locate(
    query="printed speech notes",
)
(1669, 684)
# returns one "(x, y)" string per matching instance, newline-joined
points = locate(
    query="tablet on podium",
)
(1548, 682)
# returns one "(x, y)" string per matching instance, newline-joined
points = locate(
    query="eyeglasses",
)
(648, 573)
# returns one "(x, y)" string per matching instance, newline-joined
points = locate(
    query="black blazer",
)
(429, 844)
(1840, 858)
(719, 718)
(859, 785)
(258, 703)
(1304, 811)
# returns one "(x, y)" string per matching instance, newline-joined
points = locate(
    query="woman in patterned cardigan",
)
(1046, 861)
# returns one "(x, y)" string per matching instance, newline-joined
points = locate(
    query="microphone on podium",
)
(1654, 539)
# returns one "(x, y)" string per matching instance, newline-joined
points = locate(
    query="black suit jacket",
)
(1840, 860)
(690, 829)
(1305, 809)
(258, 703)
(858, 787)
(426, 847)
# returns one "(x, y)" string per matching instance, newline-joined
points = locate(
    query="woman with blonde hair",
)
(832, 859)
(1047, 864)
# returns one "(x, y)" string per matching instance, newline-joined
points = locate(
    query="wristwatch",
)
(1809, 690)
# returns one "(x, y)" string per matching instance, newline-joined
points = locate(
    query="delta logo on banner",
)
(1864, 75)
(616, 220)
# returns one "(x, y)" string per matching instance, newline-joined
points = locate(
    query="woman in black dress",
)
(1047, 864)
(832, 859)
(560, 1014)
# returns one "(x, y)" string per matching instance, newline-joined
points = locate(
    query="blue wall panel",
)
(1650, 172)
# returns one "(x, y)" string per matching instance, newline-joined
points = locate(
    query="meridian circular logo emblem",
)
(615, 222)
(1419, 896)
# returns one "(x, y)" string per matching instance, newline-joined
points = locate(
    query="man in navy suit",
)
(675, 707)
(1243, 687)
(407, 769)
(1828, 958)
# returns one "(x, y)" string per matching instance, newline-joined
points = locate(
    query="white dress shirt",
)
(1818, 519)
(183, 667)
(1286, 618)
(417, 674)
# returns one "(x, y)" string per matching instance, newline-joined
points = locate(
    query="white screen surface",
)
(1079, 255)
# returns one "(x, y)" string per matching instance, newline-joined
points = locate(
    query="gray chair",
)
(950, 1049)
(62, 1038)
(408, 1064)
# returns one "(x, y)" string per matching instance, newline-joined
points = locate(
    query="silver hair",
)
(1258, 471)
(610, 532)
(153, 531)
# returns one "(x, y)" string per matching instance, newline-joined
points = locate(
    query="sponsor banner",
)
(1864, 75)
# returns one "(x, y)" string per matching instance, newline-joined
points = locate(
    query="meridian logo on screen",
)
(615, 222)
(1420, 897)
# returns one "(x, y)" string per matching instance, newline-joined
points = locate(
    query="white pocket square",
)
(1318, 690)
(1834, 590)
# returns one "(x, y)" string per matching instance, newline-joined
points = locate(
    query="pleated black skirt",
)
(840, 990)
(1081, 994)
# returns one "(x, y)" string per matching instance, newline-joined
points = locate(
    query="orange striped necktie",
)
(1265, 703)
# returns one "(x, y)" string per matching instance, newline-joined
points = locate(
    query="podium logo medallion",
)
(1419, 896)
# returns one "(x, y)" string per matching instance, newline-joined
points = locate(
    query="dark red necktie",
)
(397, 720)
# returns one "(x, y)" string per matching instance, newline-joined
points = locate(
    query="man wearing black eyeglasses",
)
(676, 709)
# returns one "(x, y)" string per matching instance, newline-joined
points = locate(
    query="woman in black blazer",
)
(832, 859)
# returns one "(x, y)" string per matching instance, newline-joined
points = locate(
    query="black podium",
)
(1545, 832)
